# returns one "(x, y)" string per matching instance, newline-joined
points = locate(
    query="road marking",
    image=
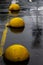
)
(3, 40)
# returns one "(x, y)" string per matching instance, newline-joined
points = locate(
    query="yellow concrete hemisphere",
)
(14, 8)
(16, 22)
(16, 53)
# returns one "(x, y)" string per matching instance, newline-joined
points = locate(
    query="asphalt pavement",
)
(31, 36)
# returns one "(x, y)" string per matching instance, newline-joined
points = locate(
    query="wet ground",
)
(31, 36)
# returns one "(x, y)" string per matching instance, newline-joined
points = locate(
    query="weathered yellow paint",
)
(3, 40)
(1, 50)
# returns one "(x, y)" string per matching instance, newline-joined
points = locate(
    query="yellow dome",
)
(16, 22)
(16, 53)
(14, 7)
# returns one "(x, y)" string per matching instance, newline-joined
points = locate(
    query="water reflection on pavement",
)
(34, 43)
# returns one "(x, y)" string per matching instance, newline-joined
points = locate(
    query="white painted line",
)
(30, 0)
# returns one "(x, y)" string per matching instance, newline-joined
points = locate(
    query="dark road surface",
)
(33, 42)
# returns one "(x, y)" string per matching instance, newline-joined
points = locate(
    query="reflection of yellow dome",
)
(20, 30)
(16, 53)
(14, 8)
(16, 22)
